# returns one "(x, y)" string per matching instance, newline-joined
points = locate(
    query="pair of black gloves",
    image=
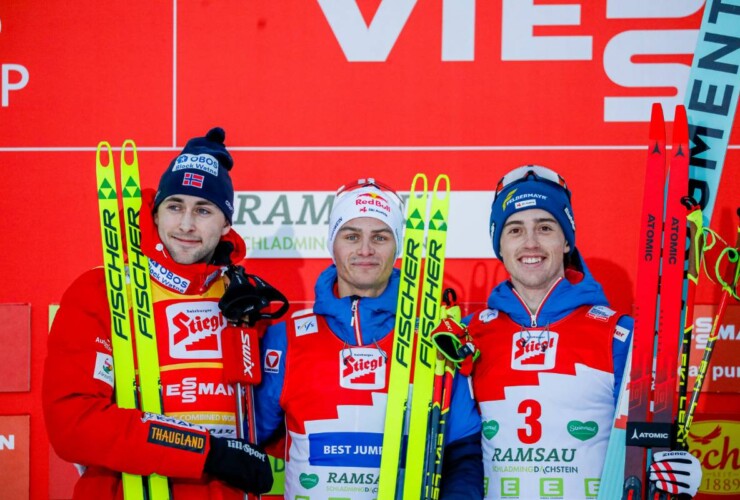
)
(240, 464)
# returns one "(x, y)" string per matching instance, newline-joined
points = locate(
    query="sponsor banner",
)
(14, 456)
(723, 374)
(715, 442)
(295, 224)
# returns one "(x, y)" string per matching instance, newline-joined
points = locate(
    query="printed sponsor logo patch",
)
(621, 333)
(534, 350)
(525, 203)
(583, 431)
(172, 437)
(204, 162)
(272, 360)
(304, 326)
(488, 315)
(361, 368)
(600, 313)
(167, 277)
(195, 330)
(104, 368)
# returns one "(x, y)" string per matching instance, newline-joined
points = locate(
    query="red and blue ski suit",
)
(325, 382)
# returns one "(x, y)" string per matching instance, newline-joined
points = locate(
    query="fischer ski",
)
(143, 319)
(401, 357)
(426, 353)
(418, 273)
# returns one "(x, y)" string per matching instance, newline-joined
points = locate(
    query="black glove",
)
(239, 464)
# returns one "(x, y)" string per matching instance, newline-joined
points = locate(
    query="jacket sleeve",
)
(84, 424)
(269, 415)
(620, 351)
(462, 473)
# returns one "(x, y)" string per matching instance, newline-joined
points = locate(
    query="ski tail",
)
(401, 357)
(124, 373)
(426, 353)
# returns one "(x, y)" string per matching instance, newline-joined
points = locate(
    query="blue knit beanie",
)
(527, 189)
(202, 170)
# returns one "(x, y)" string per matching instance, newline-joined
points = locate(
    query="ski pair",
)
(135, 487)
(422, 269)
(659, 293)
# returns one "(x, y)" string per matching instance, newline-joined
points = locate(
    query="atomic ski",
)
(124, 370)
(417, 273)
(651, 413)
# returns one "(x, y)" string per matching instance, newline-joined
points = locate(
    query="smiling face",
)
(364, 252)
(532, 248)
(190, 228)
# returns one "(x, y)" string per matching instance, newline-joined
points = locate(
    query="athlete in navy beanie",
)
(202, 170)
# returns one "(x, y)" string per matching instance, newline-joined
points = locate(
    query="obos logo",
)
(361, 368)
(195, 330)
(204, 162)
(534, 350)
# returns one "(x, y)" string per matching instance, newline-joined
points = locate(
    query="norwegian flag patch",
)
(191, 179)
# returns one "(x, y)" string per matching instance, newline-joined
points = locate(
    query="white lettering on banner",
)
(703, 328)
(620, 68)
(20, 79)
(286, 225)
(719, 372)
(458, 30)
(362, 42)
(519, 44)
(7, 442)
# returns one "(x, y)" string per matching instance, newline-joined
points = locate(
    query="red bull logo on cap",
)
(374, 200)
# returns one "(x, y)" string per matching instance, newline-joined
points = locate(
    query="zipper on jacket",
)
(533, 315)
(355, 322)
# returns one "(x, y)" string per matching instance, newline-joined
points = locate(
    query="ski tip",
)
(104, 145)
(442, 193)
(657, 124)
(680, 126)
(129, 144)
(419, 185)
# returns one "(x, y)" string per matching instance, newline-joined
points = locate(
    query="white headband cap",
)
(367, 201)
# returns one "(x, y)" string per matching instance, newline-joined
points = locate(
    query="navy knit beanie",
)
(202, 170)
(527, 187)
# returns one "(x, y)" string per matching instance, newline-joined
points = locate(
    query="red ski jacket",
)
(84, 423)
